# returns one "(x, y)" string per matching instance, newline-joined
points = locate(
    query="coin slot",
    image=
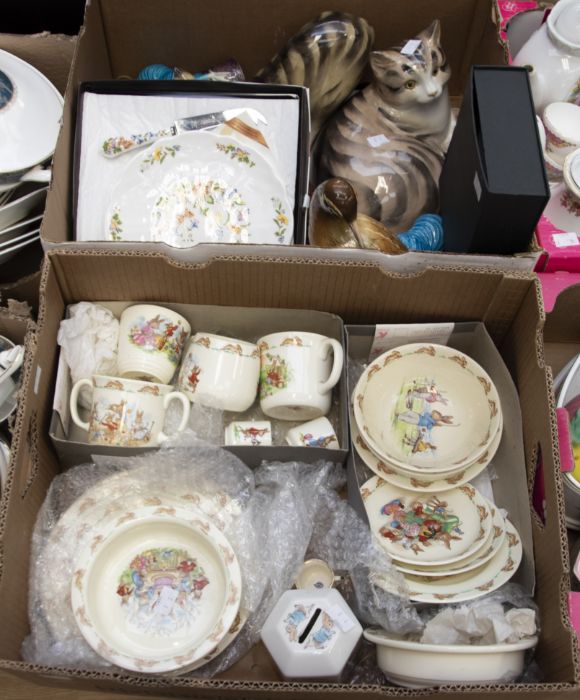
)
(304, 636)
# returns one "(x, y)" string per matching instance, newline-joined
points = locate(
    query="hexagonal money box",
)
(311, 634)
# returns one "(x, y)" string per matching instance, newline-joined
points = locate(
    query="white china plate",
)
(491, 546)
(16, 230)
(473, 584)
(4, 462)
(20, 205)
(427, 528)
(427, 408)
(418, 482)
(8, 253)
(156, 589)
(30, 113)
(199, 187)
(98, 503)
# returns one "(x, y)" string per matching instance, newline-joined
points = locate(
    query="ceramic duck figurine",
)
(335, 223)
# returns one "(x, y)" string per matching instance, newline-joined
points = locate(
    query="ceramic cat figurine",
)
(389, 139)
(328, 56)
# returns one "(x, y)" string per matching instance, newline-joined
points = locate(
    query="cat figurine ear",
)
(380, 62)
(432, 35)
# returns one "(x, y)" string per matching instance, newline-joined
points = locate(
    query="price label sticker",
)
(342, 618)
(166, 601)
(378, 140)
(410, 47)
(565, 240)
(389, 336)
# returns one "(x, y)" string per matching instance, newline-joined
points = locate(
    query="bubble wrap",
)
(277, 503)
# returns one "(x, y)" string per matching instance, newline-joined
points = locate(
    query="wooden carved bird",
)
(335, 223)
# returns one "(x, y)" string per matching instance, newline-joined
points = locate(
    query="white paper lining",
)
(105, 116)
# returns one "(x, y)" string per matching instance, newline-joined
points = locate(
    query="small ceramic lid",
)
(311, 633)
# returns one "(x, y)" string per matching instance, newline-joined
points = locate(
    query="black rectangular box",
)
(493, 185)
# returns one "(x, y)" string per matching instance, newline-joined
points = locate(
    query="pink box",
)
(562, 247)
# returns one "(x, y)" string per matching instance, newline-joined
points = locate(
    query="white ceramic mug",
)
(127, 412)
(151, 342)
(316, 433)
(249, 433)
(297, 374)
(220, 372)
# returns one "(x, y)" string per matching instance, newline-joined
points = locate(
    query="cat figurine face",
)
(413, 87)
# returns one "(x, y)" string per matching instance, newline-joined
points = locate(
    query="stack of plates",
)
(451, 546)
(426, 415)
(156, 585)
(30, 113)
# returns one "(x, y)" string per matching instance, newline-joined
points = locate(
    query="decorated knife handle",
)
(118, 145)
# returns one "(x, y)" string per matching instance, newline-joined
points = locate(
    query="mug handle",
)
(74, 398)
(332, 380)
(177, 396)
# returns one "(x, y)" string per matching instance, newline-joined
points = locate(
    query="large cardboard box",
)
(361, 293)
(120, 38)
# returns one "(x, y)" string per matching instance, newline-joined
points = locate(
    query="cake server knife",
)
(118, 145)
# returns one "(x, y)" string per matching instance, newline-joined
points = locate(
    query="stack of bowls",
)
(30, 114)
(426, 420)
(156, 585)
(426, 416)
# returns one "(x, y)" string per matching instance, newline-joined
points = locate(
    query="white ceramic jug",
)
(552, 55)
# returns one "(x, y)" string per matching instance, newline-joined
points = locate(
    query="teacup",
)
(127, 412)
(297, 374)
(315, 573)
(249, 433)
(151, 341)
(562, 122)
(220, 372)
(315, 433)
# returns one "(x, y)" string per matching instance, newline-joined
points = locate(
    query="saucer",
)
(427, 528)
(488, 550)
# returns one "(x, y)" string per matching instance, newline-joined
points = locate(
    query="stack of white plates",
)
(425, 416)
(451, 546)
(156, 586)
(30, 113)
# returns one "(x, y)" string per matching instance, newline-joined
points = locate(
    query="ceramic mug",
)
(297, 374)
(562, 122)
(315, 573)
(315, 433)
(220, 372)
(151, 341)
(127, 412)
(249, 433)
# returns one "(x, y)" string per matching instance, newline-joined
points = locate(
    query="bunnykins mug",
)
(220, 372)
(298, 371)
(151, 340)
(127, 412)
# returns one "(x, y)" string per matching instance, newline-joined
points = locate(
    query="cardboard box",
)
(361, 293)
(493, 185)
(71, 443)
(118, 39)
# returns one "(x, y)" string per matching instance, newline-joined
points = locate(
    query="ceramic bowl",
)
(554, 169)
(427, 407)
(562, 122)
(156, 589)
(411, 480)
(30, 114)
(24, 201)
(416, 665)
(572, 173)
(314, 574)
